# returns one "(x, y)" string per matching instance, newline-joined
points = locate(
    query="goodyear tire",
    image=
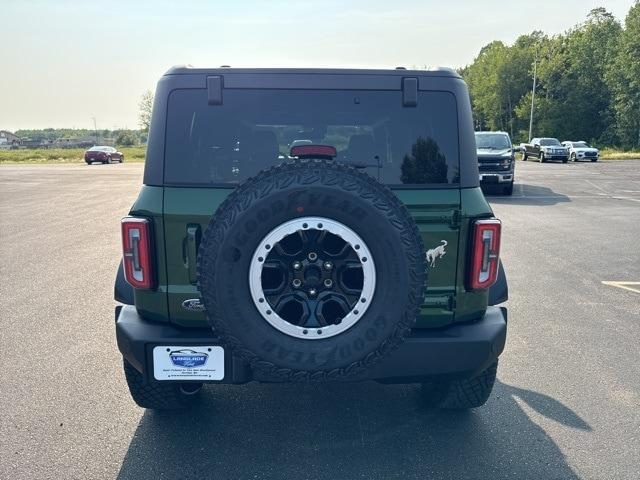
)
(462, 394)
(311, 271)
(159, 395)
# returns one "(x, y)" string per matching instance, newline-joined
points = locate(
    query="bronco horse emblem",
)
(436, 252)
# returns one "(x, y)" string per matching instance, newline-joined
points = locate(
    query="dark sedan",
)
(103, 154)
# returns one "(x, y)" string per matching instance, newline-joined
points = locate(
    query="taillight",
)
(485, 253)
(136, 251)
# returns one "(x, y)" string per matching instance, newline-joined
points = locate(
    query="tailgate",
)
(187, 212)
(437, 214)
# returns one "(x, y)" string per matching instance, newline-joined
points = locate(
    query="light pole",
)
(533, 95)
(95, 128)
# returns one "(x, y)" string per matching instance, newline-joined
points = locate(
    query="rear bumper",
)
(456, 351)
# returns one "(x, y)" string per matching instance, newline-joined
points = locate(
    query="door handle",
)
(193, 242)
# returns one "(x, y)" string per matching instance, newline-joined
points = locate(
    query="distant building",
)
(9, 140)
(76, 142)
(28, 143)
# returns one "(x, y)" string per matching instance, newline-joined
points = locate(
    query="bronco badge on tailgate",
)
(436, 252)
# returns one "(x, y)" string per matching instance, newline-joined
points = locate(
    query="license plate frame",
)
(488, 178)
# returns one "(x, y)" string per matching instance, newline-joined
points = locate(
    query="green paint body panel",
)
(184, 208)
(180, 215)
(152, 304)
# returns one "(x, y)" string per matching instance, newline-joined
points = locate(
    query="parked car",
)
(545, 149)
(241, 266)
(496, 160)
(581, 151)
(103, 154)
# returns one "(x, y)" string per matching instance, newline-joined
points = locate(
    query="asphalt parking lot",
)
(566, 405)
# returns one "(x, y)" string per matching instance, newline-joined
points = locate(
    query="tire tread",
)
(327, 173)
(466, 393)
(153, 395)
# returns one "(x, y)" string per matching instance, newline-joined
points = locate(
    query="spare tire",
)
(311, 270)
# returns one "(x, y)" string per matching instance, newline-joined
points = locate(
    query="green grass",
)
(62, 155)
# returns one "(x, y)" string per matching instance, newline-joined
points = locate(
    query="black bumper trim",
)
(456, 351)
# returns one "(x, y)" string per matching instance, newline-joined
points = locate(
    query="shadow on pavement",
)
(525, 194)
(363, 430)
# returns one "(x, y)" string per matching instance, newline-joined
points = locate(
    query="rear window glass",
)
(254, 129)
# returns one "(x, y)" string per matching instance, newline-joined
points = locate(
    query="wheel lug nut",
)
(313, 256)
(328, 265)
(312, 292)
(297, 265)
(296, 282)
(328, 282)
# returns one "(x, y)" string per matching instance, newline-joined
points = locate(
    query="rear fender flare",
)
(499, 291)
(123, 291)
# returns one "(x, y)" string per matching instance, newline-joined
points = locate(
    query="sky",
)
(65, 62)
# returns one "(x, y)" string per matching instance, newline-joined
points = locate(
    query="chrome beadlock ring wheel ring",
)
(312, 278)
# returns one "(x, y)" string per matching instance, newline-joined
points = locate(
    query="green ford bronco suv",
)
(310, 226)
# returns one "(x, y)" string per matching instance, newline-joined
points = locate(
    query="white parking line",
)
(596, 186)
(627, 198)
(624, 285)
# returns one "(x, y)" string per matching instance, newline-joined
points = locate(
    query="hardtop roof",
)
(401, 72)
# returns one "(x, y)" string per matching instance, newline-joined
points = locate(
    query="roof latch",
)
(214, 90)
(409, 92)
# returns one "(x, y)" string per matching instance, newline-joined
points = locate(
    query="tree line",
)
(588, 83)
(123, 137)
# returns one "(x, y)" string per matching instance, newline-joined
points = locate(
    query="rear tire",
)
(461, 394)
(524, 156)
(159, 395)
(122, 159)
